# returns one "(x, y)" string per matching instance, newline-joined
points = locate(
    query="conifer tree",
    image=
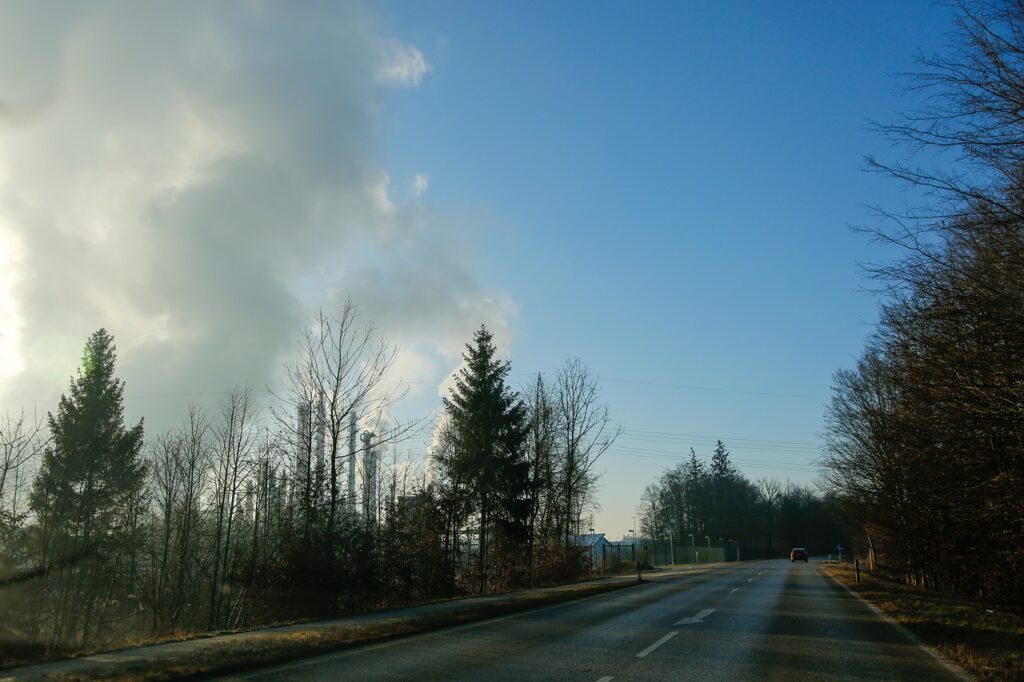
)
(87, 498)
(489, 426)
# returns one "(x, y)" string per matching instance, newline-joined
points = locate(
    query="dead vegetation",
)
(986, 639)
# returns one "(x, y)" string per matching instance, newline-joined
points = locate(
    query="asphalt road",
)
(768, 620)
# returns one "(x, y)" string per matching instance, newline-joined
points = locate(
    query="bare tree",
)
(236, 438)
(338, 380)
(540, 446)
(20, 444)
(165, 488)
(180, 474)
(770, 490)
(454, 493)
(585, 433)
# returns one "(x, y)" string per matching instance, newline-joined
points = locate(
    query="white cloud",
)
(379, 194)
(194, 176)
(10, 355)
(405, 66)
(420, 184)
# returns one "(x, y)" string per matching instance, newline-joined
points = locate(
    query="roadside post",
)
(856, 569)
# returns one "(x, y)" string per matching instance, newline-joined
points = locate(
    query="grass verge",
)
(260, 648)
(985, 639)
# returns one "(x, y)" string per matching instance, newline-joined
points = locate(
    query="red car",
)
(798, 554)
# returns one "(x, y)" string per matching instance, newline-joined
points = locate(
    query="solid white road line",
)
(934, 653)
(643, 654)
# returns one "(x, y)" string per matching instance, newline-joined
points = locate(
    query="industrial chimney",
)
(369, 477)
(352, 460)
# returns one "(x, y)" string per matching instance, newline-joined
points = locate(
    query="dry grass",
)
(247, 650)
(985, 639)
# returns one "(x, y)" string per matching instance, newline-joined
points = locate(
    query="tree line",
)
(696, 502)
(249, 514)
(926, 432)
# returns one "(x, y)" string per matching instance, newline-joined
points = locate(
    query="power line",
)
(752, 464)
(705, 442)
(715, 389)
(676, 456)
(722, 438)
(437, 380)
(761, 464)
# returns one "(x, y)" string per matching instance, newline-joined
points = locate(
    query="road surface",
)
(767, 620)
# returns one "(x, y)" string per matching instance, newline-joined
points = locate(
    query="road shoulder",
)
(972, 640)
(257, 648)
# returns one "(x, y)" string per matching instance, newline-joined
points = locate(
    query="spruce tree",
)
(488, 424)
(721, 468)
(87, 498)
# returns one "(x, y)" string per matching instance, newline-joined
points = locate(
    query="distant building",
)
(596, 546)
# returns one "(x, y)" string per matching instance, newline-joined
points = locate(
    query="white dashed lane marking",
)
(643, 654)
(699, 618)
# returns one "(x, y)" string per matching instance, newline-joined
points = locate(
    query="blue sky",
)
(661, 190)
(665, 191)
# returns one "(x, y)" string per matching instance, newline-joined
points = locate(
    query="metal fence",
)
(619, 557)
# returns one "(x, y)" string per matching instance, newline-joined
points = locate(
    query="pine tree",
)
(723, 475)
(87, 498)
(721, 468)
(696, 494)
(489, 427)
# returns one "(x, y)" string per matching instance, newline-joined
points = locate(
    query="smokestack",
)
(352, 460)
(303, 432)
(369, 477)
(320, 426)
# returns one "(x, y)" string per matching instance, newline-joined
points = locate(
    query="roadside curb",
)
(937, 655)
(235, 653)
